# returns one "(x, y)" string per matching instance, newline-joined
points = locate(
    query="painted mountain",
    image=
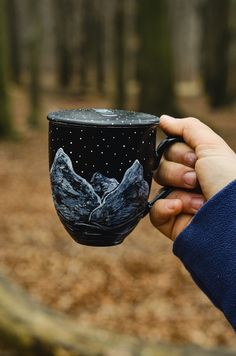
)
(99, 209)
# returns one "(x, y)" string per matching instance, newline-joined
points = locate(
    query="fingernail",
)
(197, 203)
(190, 158)
(171, 204)
(190, 178)
(164, 116)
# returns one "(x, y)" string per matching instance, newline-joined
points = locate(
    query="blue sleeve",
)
(207, 248)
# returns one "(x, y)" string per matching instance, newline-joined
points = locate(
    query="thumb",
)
(164, 215)
(164, 210)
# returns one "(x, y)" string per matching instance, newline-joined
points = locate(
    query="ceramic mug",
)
(101, 166)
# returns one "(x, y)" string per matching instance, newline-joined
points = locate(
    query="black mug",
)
(101, 166)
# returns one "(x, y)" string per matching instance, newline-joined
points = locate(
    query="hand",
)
(204, 161)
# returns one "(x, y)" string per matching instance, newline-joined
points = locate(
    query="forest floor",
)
(138, 288)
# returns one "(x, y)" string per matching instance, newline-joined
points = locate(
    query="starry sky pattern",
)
(99, 146)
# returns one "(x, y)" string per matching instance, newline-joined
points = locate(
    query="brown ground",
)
(136, 288)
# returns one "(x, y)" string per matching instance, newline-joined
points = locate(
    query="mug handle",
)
(160, 150)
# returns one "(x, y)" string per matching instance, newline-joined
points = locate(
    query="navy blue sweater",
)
(207, 248)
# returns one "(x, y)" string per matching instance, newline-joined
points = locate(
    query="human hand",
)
(204, 161)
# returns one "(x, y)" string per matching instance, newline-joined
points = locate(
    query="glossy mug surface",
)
(101, 166)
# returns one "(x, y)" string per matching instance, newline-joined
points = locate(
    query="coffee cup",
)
(101, 167)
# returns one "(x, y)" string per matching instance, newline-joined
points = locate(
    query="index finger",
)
(193, 131)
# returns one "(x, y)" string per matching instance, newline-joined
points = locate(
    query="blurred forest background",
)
(157, 56)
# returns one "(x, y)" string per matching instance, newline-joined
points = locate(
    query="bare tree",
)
(6, 126)
(215, 45)
(34, 63)
(14, 41)
(155, 58)
(120, 55)
(64, 57)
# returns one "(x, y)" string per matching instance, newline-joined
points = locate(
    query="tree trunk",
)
(215, 45)
(99, 39)
(34, 63)
(85, 46)
(14, 45)
(155, 68)
(6, 127)
(120, 56)
(64, 58)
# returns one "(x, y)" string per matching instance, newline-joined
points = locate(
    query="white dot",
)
(120, 169)
(108, 146)
(52, 139)
(80, 138)
(79, 156)
(70, 143)
(101, 153)
(144, 159)
(81, 130)
(143, 142)
(56, 128)
(135, 132)
(106, 163)
(76, 161)
(85, 146)
(70, 152)
(70, 132)
(108, 172)
(123, 146)
(115, 153)
(82, 172)
(129, 160)
(91, 151)
(93, 166)
(104, 139)
(132, 148)
(86, 164)
(113, 137)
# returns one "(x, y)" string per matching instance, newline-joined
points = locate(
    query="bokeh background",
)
(158, 56)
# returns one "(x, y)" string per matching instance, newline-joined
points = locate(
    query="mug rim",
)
(145, 119)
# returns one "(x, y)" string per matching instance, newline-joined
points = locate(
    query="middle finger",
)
(175, 174)
(181, 153)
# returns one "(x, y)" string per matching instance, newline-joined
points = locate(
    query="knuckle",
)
(193, 121)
